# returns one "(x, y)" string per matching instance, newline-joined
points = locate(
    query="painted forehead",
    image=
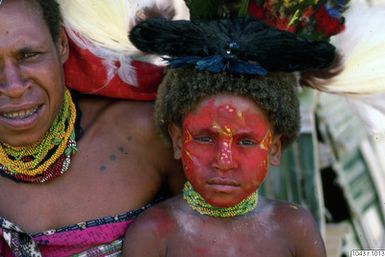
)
(230, 107)
(240, 103)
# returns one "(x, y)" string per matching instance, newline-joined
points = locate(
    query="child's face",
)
(225, 145)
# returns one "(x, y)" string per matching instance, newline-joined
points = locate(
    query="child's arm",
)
(144, 238)
(306, 235)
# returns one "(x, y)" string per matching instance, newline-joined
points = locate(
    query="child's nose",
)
(224, 159)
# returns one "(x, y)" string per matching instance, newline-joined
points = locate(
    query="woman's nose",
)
(12, 83)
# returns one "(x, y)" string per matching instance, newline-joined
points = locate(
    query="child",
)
(226, 128)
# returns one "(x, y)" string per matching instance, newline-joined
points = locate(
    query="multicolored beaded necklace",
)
(197, 203)
(47, 159)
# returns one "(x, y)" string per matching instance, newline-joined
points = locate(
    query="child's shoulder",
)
(288, 215)
(294, 223)
(280, 206)
(156, 223)
(150, 231)
(161, 216)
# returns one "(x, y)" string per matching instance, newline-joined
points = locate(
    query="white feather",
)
(363, 47)
(102, 27)
(103, 23)
(363, 80)
(371, 110)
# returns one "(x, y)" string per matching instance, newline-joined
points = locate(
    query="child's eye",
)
(247, 142)
(204, 139)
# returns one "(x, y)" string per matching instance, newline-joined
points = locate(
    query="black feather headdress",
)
(237, 45)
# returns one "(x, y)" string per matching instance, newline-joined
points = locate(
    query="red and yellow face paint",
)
(225, 149)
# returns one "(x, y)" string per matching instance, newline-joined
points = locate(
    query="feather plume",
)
(102, 27)
(362, 45)
(313, 19)
(361, 82)
(371, 110)
(215, 9)
(102, 24)
(238, 41)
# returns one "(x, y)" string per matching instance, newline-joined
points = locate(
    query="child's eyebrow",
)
(248, 133)
(204, 131)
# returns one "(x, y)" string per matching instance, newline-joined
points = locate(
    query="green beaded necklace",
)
(197, 203)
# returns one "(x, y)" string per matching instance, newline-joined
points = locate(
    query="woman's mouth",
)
(20, 115)
(20, 118)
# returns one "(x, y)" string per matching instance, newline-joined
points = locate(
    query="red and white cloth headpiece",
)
(102, 60)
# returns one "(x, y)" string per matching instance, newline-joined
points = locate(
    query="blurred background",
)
(337, 167)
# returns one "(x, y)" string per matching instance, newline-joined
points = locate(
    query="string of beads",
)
(197, 203)
(50, 157)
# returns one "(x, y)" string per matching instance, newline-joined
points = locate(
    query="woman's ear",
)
(62, 45)
(176, 136)
(275, 150)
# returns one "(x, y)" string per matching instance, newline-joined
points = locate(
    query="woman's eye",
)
(28, 55)
(247, 142)
(204, 139)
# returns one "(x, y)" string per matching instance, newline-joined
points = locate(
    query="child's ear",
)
(176, 136)
(275, 150)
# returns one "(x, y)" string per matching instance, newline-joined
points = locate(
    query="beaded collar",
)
(197, 203)
(47, 159)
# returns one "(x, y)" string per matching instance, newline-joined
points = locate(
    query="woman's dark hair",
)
(183, 89)
(51, 14)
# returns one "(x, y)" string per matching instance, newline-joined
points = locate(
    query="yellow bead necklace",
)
(34, 160)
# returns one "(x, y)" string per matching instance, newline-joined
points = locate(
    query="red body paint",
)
(225, 150)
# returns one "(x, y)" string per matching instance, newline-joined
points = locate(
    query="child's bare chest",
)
(233, 246)
(239, 239)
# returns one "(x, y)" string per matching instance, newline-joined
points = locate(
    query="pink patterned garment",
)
(95, 238)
